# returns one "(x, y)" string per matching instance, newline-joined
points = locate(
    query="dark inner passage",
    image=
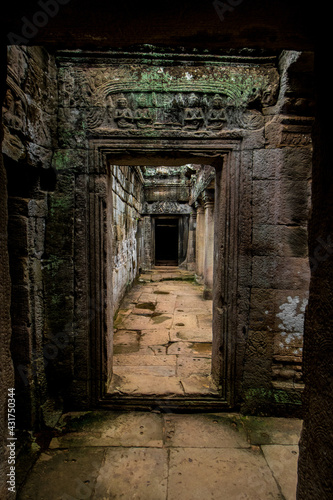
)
(166, 242)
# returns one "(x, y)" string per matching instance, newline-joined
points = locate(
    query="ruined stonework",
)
(29, 107)
(29, 118)
(223, 148)
(137, 100)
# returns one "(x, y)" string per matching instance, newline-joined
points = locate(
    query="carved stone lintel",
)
(148, 97)
(167, 207)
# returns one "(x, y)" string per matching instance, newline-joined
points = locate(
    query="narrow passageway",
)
(163, 337)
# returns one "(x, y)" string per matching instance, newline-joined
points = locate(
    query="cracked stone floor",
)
(163, 338)
(102, 455)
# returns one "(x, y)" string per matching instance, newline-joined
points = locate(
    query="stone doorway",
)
(224, 287)
(166, 241)
(170, 112)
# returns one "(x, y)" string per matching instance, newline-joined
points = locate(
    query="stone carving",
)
(138, 99)
(123, 115)
(257, 344)
(14, 119)
(166, 207)
(13, 115)
(142, 115)
(193, 115)
(250, 120)
(95, 118)
(216, 117)
(15, 105)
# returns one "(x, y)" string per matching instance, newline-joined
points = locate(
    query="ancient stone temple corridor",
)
(163, 337)
(166, 277)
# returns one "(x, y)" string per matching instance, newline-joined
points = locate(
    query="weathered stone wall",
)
(7, 372)
(281, 187)
(29, 126)
(29, 108)
(127, 196)
(260, 123)
(271, 212)
(316, 452)
(265, 118)
(166, 184)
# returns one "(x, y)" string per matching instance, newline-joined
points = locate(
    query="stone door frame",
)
(91, 269)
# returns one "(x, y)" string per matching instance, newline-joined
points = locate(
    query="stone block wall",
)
(280, 266)
(82, 237)
(29, 137)
(29, 107)
(29, 121)
(270, 206)
(166, 184)
(127, 198)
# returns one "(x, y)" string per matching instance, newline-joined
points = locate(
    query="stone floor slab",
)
(162, 319)
(165, 306)
(204, 431)
(139, 473)
(111, 429)
(148, 385)
(152, 325)
(138, 370)
(233, 474)
(190, 349)
(283, 460)
(144, 360)
(196, 385)
(156, 350)
(134, 322)
(99, 455)
(272, 430)
(155, 336)
(190, 334)
(62, 474)
(189, 365)
(186, 320)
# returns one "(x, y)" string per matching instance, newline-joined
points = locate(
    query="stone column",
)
(147, 243)
(200, 240)
(209, 244)
(190, 261)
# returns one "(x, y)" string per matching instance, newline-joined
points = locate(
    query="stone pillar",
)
(200, 240)
(209, 244)
(147, 243)
(190, 261)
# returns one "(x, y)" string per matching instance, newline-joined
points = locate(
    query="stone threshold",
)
(164, 404)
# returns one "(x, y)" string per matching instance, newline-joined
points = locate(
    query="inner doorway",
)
(225, 283)
(166, 241)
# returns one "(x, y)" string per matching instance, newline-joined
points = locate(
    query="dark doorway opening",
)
(166, 242)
